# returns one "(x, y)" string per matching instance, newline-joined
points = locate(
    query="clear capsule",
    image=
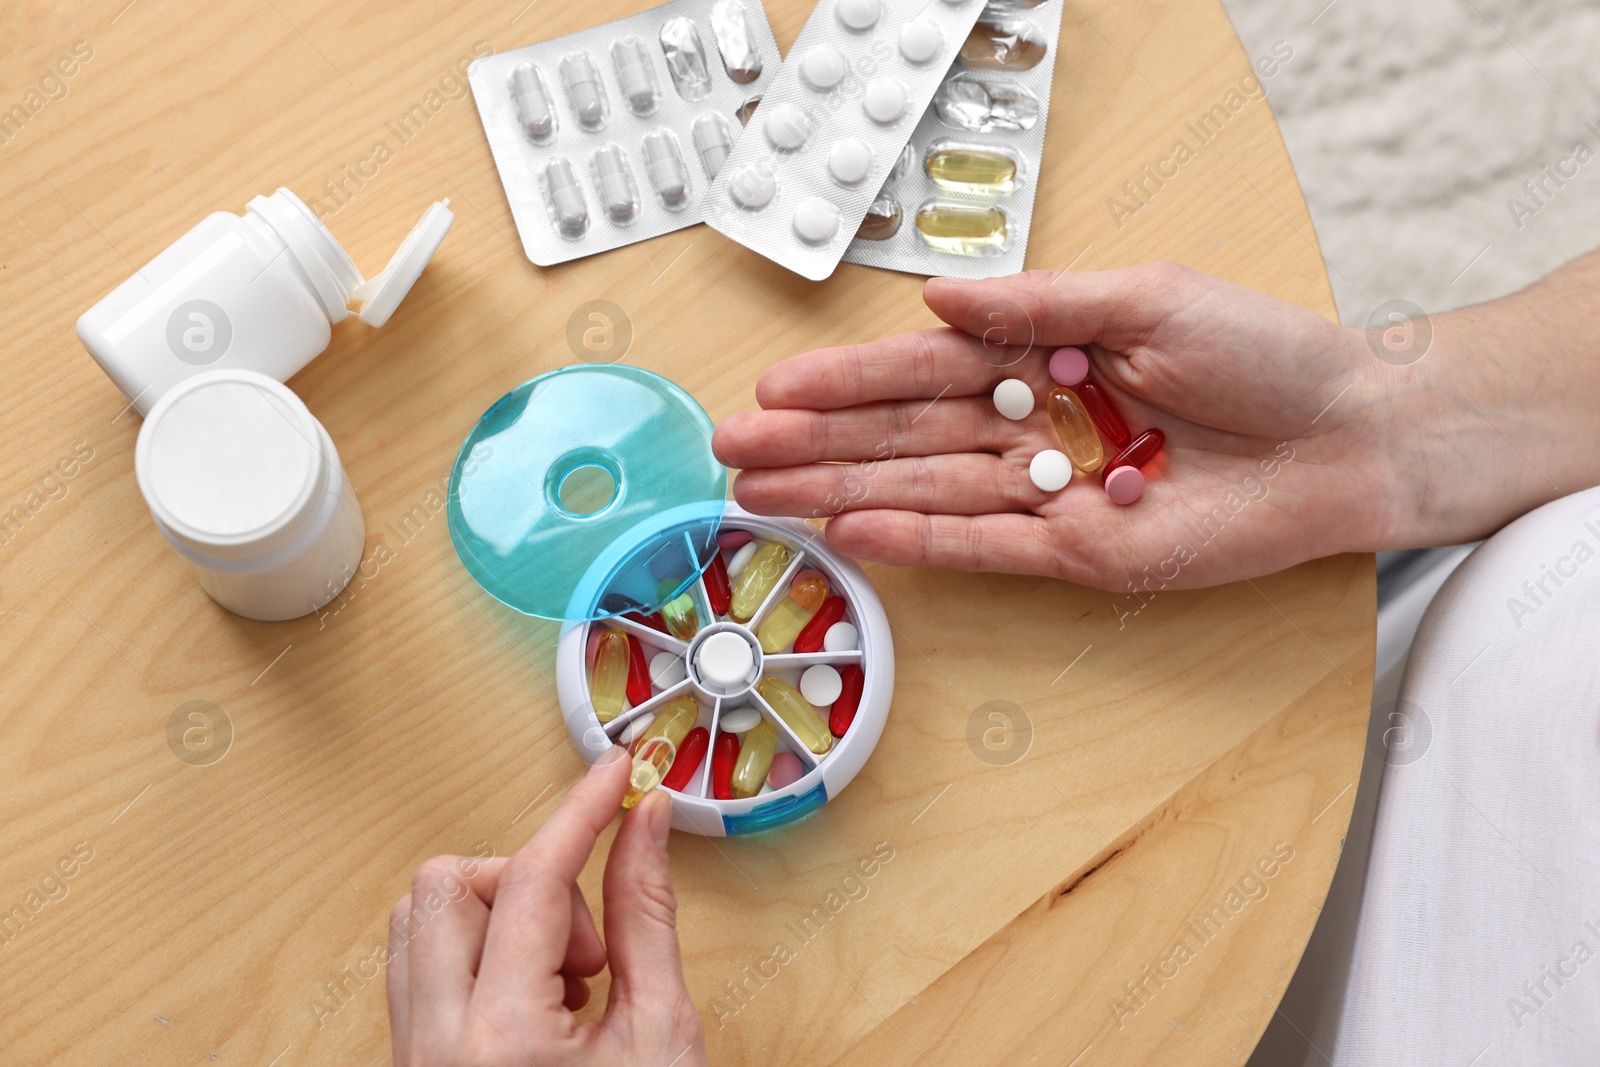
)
(797, 714)
(650, 765)
(686, 58)
(634, 74)
(736, 41)
(673, 723)
(618, 195)
(528, 92)
(664, 164)
(566, 197)
(754, 760)
(757, 580)
(963, 168)
(882, 220)
(784, 622)
(588, 97)
(608, 685)
(713, 140)
(966, 103)
(963, 229)
(1007, 44)
(1075, 428)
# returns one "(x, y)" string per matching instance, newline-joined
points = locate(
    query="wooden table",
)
(228, 911)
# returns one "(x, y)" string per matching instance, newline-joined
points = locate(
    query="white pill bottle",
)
(245, 484)
(258, 291)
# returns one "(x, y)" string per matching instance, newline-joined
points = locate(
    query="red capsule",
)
(844, 709)
(718, 591)
(1141, 451)
(652, 620)
(638, 672)
(1103, 414)
(810, 639)
(690, 753)
(724, 754)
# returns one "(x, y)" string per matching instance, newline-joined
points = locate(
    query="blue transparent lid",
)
(588, 492)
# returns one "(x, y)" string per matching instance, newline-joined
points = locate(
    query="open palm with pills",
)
(1263, 404)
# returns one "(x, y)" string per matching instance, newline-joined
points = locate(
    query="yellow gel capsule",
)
(1079, 439)
(784, 623)
(682, 620)
(674, 723)
(972, 170)
(757, 580)
(755, 759)
(796, 711)
(608, 685)
(649, 767)
(964, 229)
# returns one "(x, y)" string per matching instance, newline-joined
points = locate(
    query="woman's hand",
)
(487, 960)
(1268, 461)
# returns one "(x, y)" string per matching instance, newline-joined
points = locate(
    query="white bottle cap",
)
(332, 273)
(232, 465)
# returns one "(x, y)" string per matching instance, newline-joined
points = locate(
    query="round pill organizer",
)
(643, 542)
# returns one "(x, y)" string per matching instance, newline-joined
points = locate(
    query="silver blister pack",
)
(612, 134)
(960, 204)
(831, 125)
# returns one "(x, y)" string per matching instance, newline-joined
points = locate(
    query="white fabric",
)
(1476, 942)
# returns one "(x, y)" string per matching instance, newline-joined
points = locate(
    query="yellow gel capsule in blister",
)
(1079, 439)
(784, 623)
(963, 229)
(650, 765)
(674, 723)
(970, 169)
(608, 685)
(797, 713)
(755, 759)
(757, 580)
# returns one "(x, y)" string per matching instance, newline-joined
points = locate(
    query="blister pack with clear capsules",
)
(832, 124)
(612, 134)
(960, 201)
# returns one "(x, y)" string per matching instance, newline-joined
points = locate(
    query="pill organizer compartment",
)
(694, 808)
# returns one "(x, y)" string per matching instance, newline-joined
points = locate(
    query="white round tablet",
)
(1050, 470)
(630, 733)
(822, 67)
(884, 100)
(739, 721)
(821, 685)
(816, 220)
(741, 558)
(725, 659)
(849, 160)
(787, 127)
(920, 40)
(1013, 399)
(858, 14)
(753, 187)
(667, 670)
(841, 637)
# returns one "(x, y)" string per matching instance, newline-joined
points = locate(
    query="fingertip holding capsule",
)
(650, 766)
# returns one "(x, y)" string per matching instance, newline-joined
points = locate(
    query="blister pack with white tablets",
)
(961, 203)
(831, 125)
(611, 135)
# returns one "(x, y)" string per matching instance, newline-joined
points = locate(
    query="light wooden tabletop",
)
(1182, 773)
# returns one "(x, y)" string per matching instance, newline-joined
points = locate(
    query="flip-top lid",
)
(588, 492)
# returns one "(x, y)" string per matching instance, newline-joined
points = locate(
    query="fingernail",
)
(609, 756)
(660, 818)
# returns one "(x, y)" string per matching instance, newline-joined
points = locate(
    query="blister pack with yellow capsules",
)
(612, 134)
(960, 202)
(831, 125)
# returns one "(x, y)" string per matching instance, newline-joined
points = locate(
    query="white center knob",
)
(725, 659)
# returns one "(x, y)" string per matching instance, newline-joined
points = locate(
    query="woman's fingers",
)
(586, 956)
(962, 484)
(924, 364)
(1018, 544)
(446, 924)
(1116, 309)
(397, 984)
(785, 437)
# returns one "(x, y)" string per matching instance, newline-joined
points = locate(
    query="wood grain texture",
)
(226, 908)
